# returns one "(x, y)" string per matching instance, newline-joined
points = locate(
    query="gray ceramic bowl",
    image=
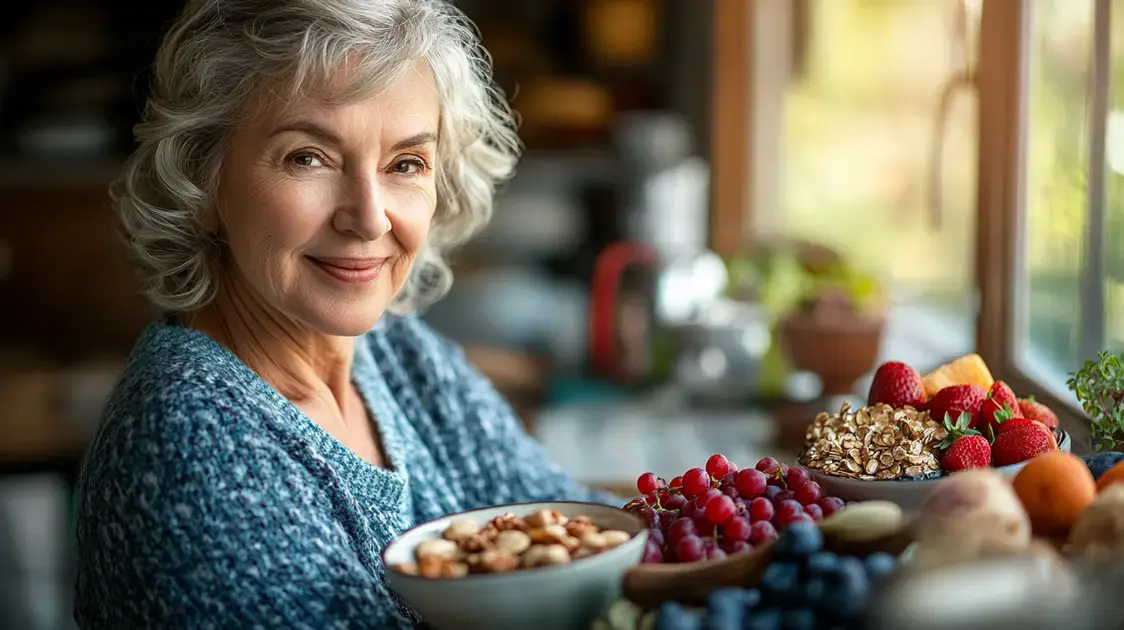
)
(906, 493)
(551, 598)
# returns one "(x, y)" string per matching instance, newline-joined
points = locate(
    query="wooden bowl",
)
(649, 585)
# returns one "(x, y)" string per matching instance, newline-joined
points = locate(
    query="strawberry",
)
(964, 447)
(1014, 423)
(898, 385)
(1035, 410)
(998, 406)
(955, 400)
(1022, 443)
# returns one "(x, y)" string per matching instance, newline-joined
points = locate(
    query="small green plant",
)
(1099, 387)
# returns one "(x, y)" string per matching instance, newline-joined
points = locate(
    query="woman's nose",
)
(363, 212)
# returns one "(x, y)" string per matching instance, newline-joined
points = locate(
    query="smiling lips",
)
(351, 270)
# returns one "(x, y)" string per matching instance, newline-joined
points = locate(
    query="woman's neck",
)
(302, 364)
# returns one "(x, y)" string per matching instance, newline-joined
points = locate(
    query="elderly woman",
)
(301, 167)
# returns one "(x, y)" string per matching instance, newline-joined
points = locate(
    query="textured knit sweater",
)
(208, 500)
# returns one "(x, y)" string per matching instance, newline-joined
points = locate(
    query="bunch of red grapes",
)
(711, 513)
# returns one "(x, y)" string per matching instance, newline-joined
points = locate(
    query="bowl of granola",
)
(880, 452)
(542, 565)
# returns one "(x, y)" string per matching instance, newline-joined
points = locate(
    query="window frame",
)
(1005, 34)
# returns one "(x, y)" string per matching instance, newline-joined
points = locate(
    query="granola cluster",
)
(508, 542)
(875, 442)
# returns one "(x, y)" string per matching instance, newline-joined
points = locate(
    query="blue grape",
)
(799, 540)
(848, 591)
(725, 609)
(768, 619)
(823, 564)
(880, 565)
(780, 582)
(673, 616)
(815, 590)
(1099, 463)
(752, 598)
(798, 619)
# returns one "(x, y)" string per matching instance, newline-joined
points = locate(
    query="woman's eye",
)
(306, 160)
(410, 166)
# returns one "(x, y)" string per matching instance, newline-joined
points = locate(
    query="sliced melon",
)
(969, 369)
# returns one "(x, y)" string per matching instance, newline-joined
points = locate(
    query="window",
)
(1069, 284)
(1051, 205)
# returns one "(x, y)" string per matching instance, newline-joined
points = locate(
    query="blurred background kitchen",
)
(729, 212)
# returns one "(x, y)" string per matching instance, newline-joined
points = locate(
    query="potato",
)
(1099, 532)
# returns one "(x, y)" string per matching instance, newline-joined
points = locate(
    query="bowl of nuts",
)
(547, 565)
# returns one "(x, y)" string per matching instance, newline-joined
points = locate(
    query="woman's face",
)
(325, 207)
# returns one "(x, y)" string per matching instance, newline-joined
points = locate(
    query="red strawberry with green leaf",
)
(1011, 424)
(964, 447)
(998, 406)
(955, 400)
(898, 385)
(1022, 443)
(1035, 410)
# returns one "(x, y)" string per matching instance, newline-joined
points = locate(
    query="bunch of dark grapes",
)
(714, 512)
(803, 588)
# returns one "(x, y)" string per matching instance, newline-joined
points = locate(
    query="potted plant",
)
(1099, 387)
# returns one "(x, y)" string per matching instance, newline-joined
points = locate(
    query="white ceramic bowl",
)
(561, 597)
(907, 494)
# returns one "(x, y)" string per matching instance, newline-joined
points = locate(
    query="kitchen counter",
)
(610, 444)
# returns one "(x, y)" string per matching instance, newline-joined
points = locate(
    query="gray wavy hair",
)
(220, 54)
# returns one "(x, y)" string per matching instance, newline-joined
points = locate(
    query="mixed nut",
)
(508, 543)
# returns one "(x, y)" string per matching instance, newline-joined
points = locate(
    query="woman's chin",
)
(351, 322)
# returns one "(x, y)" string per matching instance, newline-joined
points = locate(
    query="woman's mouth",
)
(350, 270)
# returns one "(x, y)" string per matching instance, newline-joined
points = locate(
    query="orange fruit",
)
(969, 369)
(1112, 475)
(1054, 488)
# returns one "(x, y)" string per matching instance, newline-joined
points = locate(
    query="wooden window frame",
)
(1002, 82)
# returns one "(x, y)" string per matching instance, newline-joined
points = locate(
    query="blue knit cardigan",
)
(208, 500)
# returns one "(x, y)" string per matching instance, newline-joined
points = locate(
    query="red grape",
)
(720, 509)
(680, 529)
(653, 519)
(783, 495)
(689, 509)
(661, 484)
(761, 509)
(787, 509)
(674, 502)
(695, 482)
(751, 483)
(730, 491)
(762, 532)
(646, 483)
(676, 482)
(771, 491)
(769, 466)
(689, 549)
(717, 466)
(653, 552)
(802, 517)
(815, 511)
(796, 476)
(652, 498)
(830, 505)
(715, 554)
(807, 493)
(732, 547)
(667, 517)
(705, 497)
(728, 478)
(736, 529)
